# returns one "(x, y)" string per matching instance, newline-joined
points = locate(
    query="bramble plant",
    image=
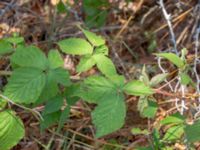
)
(39, 79)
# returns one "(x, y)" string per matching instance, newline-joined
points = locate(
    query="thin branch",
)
(168, 19)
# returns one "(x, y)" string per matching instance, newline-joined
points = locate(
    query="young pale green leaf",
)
(5, 47)
(193, 131)
(11, 129)
(142, 104)
(53, 105)
(158, 79)
(138, 131)
(55, 59)
(30, 56)
(109, 115)
(15, 40)
(25, 85)
(96, 89)
(86, 63)
(172, 58)
(176, 118)
(185, 79)
(94, 39)
(144, 76)
(137, 88)
(103, 49)
(174, 133)
(75, 46)
(105, 65)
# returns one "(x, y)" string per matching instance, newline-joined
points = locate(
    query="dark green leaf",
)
(193, 132)
(49, 120)
(53, 105)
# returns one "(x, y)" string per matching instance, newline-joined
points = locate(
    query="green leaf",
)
(63, 117)
(95, 11)
(61, 76)
(11, 130)
(109, 115)
(185, 78)
(53, 105)
(97, 88)
(86, 63)
(174, 133)
(49, 120)
(103, 49)
(137, 88)
(15, 40)
(54, 77)
(25, 85)
(75, 46)
(172, 58)
(138, 131)
(156, 140)
(29, 57)
(105, 65)
(176, 118)
(150, 110)
(2, 103)
(158, 79)
(50, 90)
(70, 93)
(55, 59)
(5, 47)
(61, 7)
(93, 38)
(147, 107)
(193, 131)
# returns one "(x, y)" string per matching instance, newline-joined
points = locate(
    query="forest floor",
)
(133, 33)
